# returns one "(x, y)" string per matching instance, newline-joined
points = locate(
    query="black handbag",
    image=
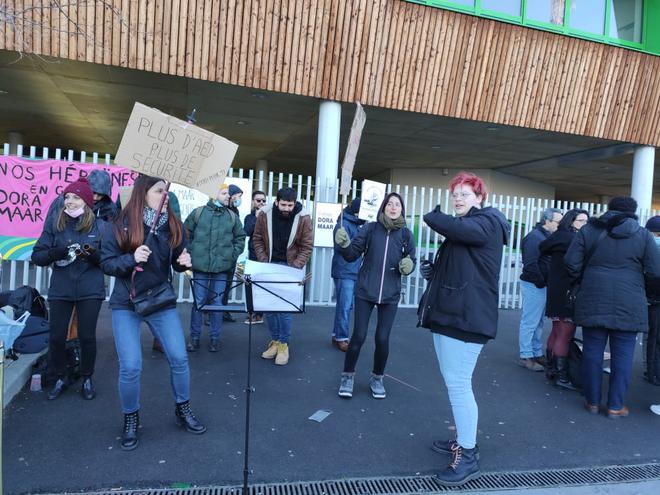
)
(572, 293)
(154, 299)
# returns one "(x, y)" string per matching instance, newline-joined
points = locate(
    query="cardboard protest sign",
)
(325, 219)
(27, 189)
(373, 194)
(351, 150)
(160, 145)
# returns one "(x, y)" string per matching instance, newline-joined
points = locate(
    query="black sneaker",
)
(227, 316)
(193, 345)
(463, 468)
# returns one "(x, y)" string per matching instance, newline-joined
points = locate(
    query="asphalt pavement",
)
(525, 423)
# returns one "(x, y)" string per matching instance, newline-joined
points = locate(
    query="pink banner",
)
(28, 187)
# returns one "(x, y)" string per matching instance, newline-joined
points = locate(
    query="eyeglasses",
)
(260, 200)
(464, 195)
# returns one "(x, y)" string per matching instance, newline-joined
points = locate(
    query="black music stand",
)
(249, 308)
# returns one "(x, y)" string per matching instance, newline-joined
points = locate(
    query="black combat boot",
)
(129, 438)
(463, 468)
(563, 379)
(551, 367)
(186, 418)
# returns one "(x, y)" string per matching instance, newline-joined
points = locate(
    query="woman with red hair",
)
(460, 307)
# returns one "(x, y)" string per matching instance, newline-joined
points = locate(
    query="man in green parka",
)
(216, 240)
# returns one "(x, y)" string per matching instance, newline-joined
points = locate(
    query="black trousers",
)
(60, 315)
(653, 346)
(386, 314)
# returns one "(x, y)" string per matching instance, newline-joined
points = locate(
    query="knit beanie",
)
(624, 204)
(81, 189)
(234, 189)
(653, 225)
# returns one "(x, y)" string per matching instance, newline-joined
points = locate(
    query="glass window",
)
(588, 16)
(511, 7)
(547, 11)
(626, 20)
(469, 3)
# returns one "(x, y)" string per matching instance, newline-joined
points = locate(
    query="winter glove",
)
(58, 253)
(426, 269)
(341, 238)
(406, 266)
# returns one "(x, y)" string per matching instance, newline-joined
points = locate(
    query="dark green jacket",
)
(216, 238)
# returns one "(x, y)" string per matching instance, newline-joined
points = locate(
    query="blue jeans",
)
(531, 321)
(208, 292)
(457, 360)
(280, 324)
(166, 327)
(622, 349)
(344, 291)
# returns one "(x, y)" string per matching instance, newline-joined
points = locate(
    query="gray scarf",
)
(389, 224)
(149, 214)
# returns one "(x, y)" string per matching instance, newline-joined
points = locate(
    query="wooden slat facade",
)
(385, 53)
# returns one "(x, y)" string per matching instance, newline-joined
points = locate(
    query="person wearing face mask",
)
(216, 241)
(71, 245)
(235, 199)
(142, 262)
(389, 252)
(283, 234)
(653, 297)
(460, 308)
(557, 307)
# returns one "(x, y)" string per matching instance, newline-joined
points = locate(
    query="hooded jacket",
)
(461, 299)
(299, 244)
(82, 279)
(340, 267)
(215, 238)
(379, 278)
(611, 293)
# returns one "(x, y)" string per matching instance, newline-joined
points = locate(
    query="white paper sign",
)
(373, 194)
(160, 145)
(269, 294)
(325, 219)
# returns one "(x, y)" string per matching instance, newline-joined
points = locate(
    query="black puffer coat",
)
(80, 280)
(379, 279)
(156, 270)
(461, 299)
(559, 281)
(612, 291)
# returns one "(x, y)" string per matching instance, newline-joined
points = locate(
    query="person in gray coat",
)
(611, 300)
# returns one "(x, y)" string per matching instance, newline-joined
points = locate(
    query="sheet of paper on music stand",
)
(265, 277)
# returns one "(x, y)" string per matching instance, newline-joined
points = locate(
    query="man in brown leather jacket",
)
(283, 234)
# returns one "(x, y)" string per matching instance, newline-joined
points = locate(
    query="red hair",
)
(469, 179)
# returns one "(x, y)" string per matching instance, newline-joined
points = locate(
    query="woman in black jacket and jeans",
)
(71, 243)
(557, 307)
(142, 263)
(460, 308)
(389, 252)
(611, 302)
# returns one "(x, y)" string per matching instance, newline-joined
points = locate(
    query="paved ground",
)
(72, 445)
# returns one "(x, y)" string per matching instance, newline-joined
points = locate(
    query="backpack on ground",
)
(34, 337)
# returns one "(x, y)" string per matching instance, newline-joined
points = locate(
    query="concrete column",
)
(259, 166)
(14, 139)
(642, 177)
(327, 153)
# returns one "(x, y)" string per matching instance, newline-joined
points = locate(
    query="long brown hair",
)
(84, 224)
(129, 226)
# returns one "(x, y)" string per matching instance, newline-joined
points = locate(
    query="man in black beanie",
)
(609, 259)
(653, 296)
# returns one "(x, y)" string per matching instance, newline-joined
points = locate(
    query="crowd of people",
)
(575, 271)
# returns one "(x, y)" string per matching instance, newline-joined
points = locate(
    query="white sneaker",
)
(655, 409)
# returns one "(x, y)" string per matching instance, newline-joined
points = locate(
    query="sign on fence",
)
(373, 194)
(325, 218)
(28, 187)
(160, 145)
